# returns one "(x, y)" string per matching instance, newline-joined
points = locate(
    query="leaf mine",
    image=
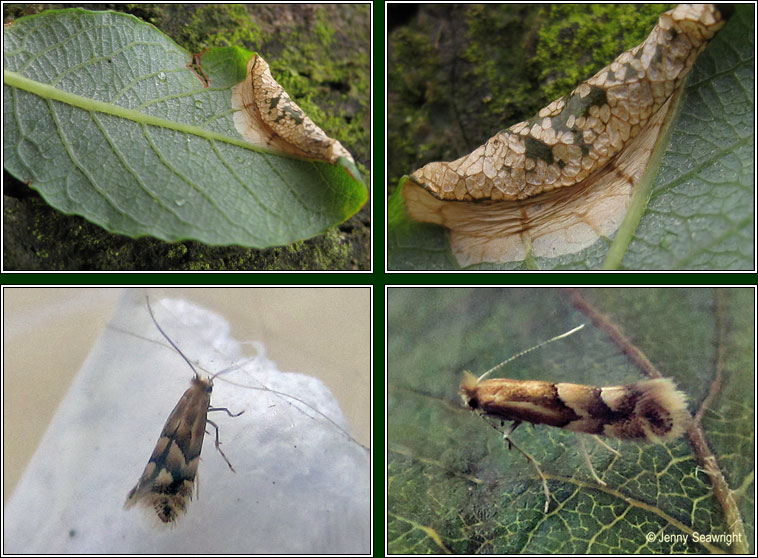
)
(266, 116)
(554, 184)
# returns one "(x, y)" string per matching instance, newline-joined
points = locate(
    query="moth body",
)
(645, 411)
(648, 410)
(167, 483)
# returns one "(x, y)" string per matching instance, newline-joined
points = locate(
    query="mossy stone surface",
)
(460, 73)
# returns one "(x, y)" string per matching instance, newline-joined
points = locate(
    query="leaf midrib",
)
(14, 79)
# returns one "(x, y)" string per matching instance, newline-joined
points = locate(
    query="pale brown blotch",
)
(266, 116)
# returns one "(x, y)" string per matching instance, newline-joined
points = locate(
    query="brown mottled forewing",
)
(168, 480)
(649, 410)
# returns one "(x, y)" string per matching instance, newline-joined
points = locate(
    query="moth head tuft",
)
(204, 384)
(468, 388)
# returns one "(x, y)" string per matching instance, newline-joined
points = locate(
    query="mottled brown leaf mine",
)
(584, 129)
(266, 116)
(553, 184)
(167, 483)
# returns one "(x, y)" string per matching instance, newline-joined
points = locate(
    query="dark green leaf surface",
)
(103, 116)
(700, 214)
(454, 486)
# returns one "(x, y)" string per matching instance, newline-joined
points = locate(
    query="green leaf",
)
(700, 213)
(453, 485)
(105, 118)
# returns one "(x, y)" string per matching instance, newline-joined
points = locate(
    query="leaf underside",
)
(132, 139)
(699, 215)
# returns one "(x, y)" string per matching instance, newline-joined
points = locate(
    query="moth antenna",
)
(315, 410)
(529, 350)
(231, 368)
(178, 350)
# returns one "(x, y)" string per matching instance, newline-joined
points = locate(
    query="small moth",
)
(645, 411)
(168, 480)
(649, 410)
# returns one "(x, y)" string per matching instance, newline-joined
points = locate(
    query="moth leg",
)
(218, 443)
(583, 451)
(506, 435)
(227, 411)
(599, 440)
(533, 461)
(528, 457)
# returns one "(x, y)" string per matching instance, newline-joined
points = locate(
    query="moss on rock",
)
(459, 73)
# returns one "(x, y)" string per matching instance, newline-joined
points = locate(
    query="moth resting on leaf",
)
(645, 411)
(555, 183)
(167, 483)
(648, 410)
